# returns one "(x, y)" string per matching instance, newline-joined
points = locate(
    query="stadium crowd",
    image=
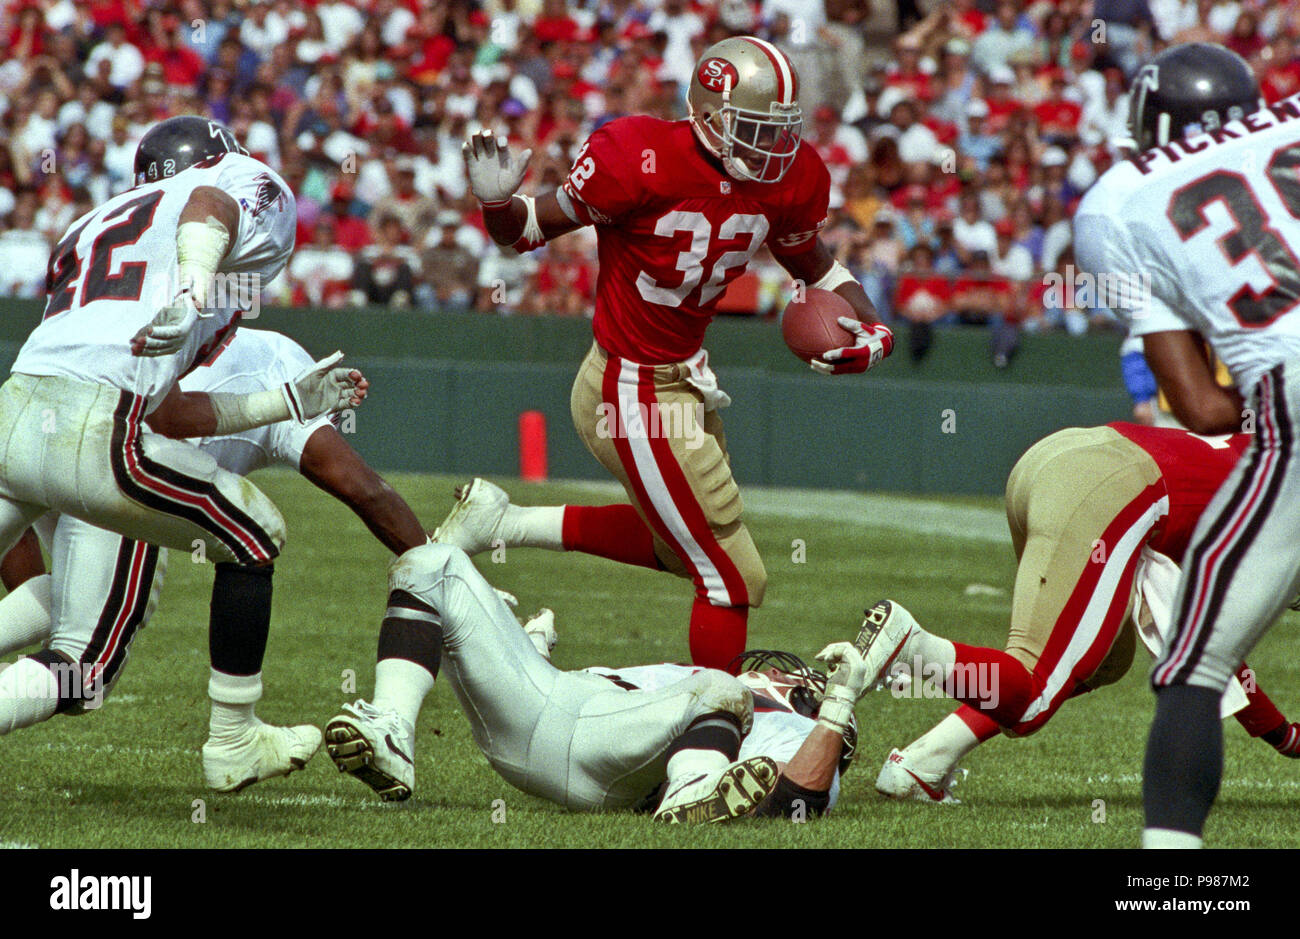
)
(959, 142)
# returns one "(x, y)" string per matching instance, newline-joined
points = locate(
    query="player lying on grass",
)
(1100, 518)
(691, 744)
(680, 208)
(103, 587)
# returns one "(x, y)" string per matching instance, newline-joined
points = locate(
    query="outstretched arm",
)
(321, 389)
(519, 221)
(328, 462)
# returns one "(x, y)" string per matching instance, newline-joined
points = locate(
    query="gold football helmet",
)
(744, 107)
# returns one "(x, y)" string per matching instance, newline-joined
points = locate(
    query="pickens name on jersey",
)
(1210, 225)
(116, 267)
(673, 230)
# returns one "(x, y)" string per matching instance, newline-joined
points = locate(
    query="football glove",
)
(324, 388)
(872, 343)
(166, 333)
(844, 685)
(493, 174)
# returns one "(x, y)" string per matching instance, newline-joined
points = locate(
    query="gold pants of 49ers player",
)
(647, 425)
(1081, 505)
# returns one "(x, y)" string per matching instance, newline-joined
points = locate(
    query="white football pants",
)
(81, 449)
(570, 737)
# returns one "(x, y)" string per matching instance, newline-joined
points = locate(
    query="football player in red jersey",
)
(1100, 518)
(680, 208)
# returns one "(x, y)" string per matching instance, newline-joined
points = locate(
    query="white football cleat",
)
(474, 522)
(264, 752)
(732, 792)
(376, 746)
(884, 634)
(540, 628)
(900, 778)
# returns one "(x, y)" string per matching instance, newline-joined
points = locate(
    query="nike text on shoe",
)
(884, 633)
(900, 778)
(474, 522)
(263, 752)
(376, 746)
(731, 793)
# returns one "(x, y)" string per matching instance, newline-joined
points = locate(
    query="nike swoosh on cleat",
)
(936, 794)
(388, 739)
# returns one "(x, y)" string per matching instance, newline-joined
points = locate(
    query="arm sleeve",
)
(604, 182)
(268, 216)
(796, 229)
(1106, 250)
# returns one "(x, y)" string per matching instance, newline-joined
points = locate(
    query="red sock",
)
(1012, 685)
(717, 634)
(981, 725)
(1260, 715)
(609, 531)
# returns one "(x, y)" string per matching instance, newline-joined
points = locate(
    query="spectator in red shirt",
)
(1282, 76)
(181, 65)
(554, 23)
(1058, 117)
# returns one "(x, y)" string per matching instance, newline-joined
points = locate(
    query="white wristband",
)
(200, 246)
(836, 712)
(838, 274)
(237, 413)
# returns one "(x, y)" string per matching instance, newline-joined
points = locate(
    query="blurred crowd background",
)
(960, 134)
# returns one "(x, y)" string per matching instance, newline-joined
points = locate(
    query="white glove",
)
(872, 342)
(541, 631)
(493, 174)
(844, 685)
(169, 328)
(508, 598)
(324, 389)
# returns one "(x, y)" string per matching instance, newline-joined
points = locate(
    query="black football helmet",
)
(1197, 85)
(178, 143)
(807, 691)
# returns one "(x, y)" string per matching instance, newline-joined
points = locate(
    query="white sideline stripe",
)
(916, 515)
(1126, 779)
(363, 800)
(629, 402)
(1094, 614)
(17, 845)
(113, 748)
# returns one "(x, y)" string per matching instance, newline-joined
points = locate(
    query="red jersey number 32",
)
(691, 261)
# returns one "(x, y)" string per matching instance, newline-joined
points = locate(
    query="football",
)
(809, 326)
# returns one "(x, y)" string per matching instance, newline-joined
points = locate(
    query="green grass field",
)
(129, 775)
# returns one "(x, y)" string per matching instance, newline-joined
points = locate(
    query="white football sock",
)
(536, 526)
(933, 650)
(942, 747)
(687, 764)
(1169, 838)
(401, 686)
(29, 694)
(25, 614)
(233, 697)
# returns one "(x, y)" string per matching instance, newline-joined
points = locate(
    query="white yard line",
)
(870, 510)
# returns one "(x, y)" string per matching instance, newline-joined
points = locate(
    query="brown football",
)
(810, 328)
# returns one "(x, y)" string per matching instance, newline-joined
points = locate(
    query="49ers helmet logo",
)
(714, 72)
